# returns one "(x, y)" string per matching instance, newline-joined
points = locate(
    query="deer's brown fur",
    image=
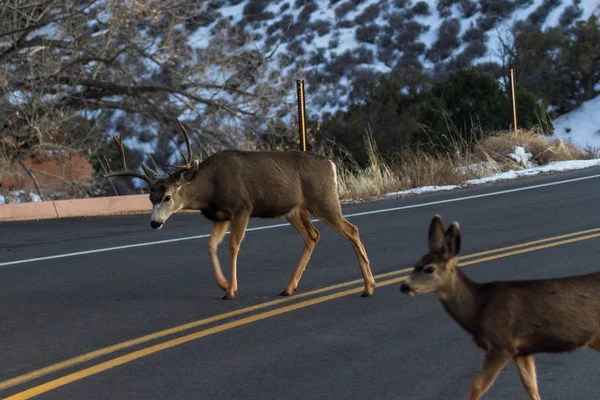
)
(508, 319)
(232, 186)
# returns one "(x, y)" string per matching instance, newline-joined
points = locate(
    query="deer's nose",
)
(404, 288)
(156, 224)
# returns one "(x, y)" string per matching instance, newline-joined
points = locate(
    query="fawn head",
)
(166, 195)
(436, 269)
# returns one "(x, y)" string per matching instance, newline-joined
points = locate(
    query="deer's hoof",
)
(227, 297)
(366, 294)
(284, 293)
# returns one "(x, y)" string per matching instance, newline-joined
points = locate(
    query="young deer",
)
(232, 186)
(510, 319)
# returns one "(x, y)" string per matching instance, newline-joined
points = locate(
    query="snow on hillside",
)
(580, 126)
(329, 41)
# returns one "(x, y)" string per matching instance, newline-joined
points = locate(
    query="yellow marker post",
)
(301, 114)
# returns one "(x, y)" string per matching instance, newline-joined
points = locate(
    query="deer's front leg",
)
(238, 229)
(216, 237)
(526, 367)
(493, 363)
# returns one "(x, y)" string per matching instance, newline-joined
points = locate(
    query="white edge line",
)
(260, 228)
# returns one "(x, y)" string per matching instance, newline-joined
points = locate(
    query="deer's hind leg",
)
(526, 367)
(300, 220)
(216, 237)
(333, 217)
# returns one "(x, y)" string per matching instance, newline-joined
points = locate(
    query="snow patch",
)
(423, 189)
(479, 168)
(521, 157)
(581, 126)
(557, 166)
(19, 196)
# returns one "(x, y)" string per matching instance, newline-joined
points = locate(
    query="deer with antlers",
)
(510, 319)
(232, 186)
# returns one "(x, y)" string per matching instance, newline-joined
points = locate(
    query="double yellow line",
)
(396, 276)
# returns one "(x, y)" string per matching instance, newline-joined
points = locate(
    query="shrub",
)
(486, 22)
(344, 8)
(317, 57)
(396, 20)
(254, 10)
(444, 7)
(308, 9)
(415, 48)
(421, 8)
(322, 27)
(368, 15)
(345, 24)
(409, 32)
(497, 8)
(446, 42)
(467, 8)
(401, 3)
(408, 65)
(539, 16)
(475, 49)
(570, 14)
(367, 33)
(385, 48)
(474, 33)
(283, 24)
(343, 64)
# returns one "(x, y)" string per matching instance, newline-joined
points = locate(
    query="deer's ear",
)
(436, 234)
(188, 175)
(452, 241)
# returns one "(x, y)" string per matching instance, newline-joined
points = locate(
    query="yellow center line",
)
(526, 244)
(96, 369)
(184, 339)
(157, 335)
(528, 249)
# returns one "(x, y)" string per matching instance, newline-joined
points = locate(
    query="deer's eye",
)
(429, 269)
(167, 198)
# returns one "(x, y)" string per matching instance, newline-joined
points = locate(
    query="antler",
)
(149, 175)
(188, 159)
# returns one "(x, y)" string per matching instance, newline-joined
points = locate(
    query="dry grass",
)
(408, 169)
(376, 179)
(543, 150)
(416, 168)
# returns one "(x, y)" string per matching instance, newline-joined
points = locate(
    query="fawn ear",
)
(188, 175)
(436, 234)
(452, 241)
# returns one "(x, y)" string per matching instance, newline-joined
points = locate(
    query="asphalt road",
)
(56, 305)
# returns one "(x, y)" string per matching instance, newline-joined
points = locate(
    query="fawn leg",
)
(526, 366)
(493, 363)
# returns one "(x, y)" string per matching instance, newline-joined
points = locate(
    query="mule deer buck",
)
(508, 319)
(232, 186)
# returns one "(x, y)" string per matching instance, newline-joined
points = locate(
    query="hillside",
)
(334, 43)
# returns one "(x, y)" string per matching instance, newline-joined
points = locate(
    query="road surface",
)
(98, 308)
